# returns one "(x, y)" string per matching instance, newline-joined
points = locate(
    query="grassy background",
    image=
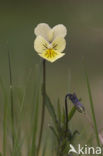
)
(84, 21)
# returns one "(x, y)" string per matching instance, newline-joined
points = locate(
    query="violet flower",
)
(75, 101)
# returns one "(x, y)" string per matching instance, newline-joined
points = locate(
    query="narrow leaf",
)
(72, 112)
(4, 117)
(54, 132)
(51, 109)
(92, 110)
(59, 111)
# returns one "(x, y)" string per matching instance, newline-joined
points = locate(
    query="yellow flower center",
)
(50, 53)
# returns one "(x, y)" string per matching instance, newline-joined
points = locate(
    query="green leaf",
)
(59, 111)
(54, 132)
(72, 112)
(51, 109)
(63, 116)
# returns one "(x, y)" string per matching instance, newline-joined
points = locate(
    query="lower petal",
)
(51, 55)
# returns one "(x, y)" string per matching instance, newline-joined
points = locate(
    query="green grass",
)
(22, 126)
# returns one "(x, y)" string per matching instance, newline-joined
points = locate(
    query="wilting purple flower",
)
(75, 101)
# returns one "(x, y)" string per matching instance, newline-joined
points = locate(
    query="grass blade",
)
(36, 113)
(11, 98)
(51, 109)
(59, 111)
(4, 117)
(36, 102)
(54, 132)
(92, 110)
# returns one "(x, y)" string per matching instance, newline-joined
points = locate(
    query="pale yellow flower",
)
(50, 42)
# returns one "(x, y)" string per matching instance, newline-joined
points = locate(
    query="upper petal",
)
(59, 44)
(59, 30)
(40, 44)
(42, 29)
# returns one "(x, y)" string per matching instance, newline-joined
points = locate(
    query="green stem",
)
(66, 112)
(43, 106)
(11, 98)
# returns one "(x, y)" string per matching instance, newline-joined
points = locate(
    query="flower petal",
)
(76, 102)
(51, 57)
(42, 29)
(40, 44)
(59, 44)
(59, 30)
(50, 35)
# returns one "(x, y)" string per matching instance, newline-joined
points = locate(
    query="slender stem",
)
(43, 106)
(11, 98)
(66, 111)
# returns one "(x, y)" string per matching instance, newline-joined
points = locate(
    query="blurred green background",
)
(84, 22)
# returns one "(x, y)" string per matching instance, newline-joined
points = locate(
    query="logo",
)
(85, 150)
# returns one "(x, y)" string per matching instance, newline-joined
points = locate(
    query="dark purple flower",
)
(75, 101)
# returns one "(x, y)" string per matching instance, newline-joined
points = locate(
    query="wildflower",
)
(76, 102)
(50, 42)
